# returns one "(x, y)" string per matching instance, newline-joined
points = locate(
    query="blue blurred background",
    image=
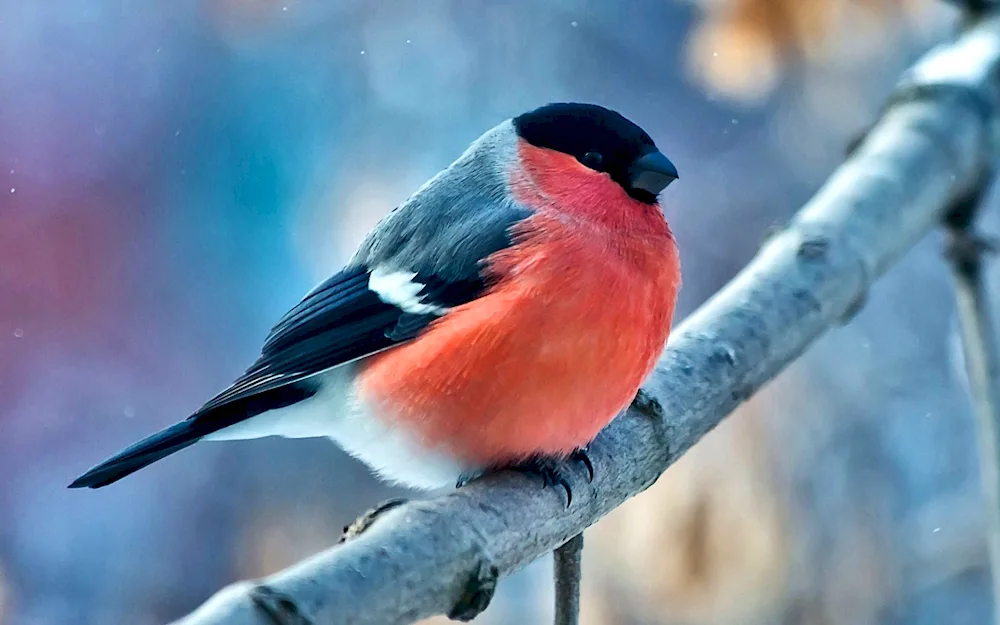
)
(175, 175)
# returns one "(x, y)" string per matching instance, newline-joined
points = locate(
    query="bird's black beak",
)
(652, 172)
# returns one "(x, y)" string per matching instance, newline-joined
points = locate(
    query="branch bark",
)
(933, 144)
(567, 565)
(982, 364)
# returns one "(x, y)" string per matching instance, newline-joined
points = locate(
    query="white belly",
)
(335, 413)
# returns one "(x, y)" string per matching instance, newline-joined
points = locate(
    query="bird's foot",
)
(554, 471)
(366, 520)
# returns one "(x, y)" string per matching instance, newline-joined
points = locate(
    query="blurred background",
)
(175, 175)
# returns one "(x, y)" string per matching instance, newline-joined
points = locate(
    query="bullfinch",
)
(498, 318)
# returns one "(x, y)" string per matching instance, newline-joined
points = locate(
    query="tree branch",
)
(567, 568)
(932, 145)
(982, 364)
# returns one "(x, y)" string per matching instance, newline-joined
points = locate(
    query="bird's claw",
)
(580, 455)
(550, 470)
(553, 471)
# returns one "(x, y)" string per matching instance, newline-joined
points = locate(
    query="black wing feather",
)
(343, 294)
(338, 322)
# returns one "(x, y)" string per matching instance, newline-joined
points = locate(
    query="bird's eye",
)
(593, 160)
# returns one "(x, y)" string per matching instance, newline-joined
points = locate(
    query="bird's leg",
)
(363, 522)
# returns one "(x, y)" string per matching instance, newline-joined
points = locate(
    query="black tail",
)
(145, 452)
(190, 431)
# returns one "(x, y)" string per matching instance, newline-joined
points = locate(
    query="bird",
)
(499, 318)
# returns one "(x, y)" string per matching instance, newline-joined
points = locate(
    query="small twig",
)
(982, 364)
(567, 563)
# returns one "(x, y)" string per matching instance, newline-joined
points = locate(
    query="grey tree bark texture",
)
(934, 143)
(567, 568)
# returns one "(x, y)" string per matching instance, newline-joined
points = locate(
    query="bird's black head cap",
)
(604, 141)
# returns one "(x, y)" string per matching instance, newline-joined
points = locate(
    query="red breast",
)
(575, 320)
